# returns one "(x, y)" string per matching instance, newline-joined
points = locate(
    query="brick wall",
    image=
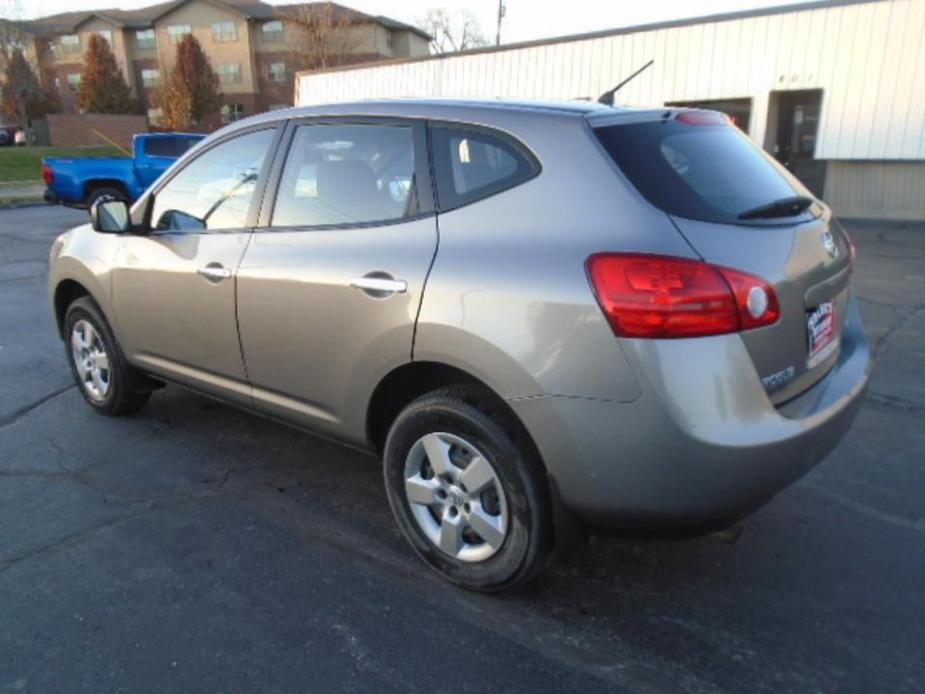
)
(68, 129)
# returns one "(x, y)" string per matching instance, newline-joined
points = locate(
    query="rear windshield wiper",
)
(785, 207)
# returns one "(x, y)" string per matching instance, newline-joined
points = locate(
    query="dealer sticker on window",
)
(822, 333)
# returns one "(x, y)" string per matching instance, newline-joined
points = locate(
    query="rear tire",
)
(468, 490)
(104, 193)
(104, 378)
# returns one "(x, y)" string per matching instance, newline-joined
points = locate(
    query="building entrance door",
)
(797, 116)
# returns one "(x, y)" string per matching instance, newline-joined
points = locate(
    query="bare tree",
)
(452, 32)
(325, 34)
(21, 95)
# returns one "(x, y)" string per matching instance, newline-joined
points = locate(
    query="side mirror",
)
(110, 216)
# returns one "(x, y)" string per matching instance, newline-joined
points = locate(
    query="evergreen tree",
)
(102, 87)
(190, 93)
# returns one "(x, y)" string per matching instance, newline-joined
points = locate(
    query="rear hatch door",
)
(739, 208)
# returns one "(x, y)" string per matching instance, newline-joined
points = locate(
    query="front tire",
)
(468, 490)
(105, 379)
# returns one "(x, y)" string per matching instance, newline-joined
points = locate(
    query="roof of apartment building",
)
(250, 9)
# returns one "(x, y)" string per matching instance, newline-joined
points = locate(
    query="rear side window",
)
(473, 164)
(168, 146)
(711, 173)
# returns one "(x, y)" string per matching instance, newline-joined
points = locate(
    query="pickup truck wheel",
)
(104, 193)
(106, 381)
(467, 491)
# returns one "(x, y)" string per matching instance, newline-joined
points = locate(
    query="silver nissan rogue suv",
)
(541, 316)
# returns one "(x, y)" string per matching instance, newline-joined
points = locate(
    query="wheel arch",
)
(95, 183)
(67, 291)
(409, 381)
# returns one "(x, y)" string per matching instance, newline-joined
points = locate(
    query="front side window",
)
(70, 43)
(215, 190)
(149, 78)
(176, 32)
(276, 72)
(146, 38)
(229, 73)
(224, 32)
(473, 164)
(272, 31)
(346, 175)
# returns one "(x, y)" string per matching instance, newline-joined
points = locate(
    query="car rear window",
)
(706, 172)
(168, 146)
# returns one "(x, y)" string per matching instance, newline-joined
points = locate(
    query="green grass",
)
(25, 163)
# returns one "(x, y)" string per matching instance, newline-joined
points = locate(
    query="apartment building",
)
(254, 47)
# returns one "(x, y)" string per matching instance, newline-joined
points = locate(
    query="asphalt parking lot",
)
(194, 547)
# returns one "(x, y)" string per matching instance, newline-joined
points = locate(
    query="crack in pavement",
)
(893, 402)
(904, 315)
(17, 414)
(168, 500)
(917, 525)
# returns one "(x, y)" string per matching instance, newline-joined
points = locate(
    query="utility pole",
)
(502, 10)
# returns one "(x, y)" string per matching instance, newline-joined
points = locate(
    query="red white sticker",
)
(822, 332)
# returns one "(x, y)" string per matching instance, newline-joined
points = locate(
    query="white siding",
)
(868, 58)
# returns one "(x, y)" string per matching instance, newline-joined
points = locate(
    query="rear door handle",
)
(214, 272)
(379, 286)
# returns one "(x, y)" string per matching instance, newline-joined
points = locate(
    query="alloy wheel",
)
(456, 497)
(91, 361)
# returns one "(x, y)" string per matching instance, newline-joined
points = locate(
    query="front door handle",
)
(214, 272)
(379, 285)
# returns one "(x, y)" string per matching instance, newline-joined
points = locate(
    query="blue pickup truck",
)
(81, 182)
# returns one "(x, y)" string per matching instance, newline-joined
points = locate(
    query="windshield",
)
(711, 173)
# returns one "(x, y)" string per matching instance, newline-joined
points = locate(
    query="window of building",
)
(176, 32)
(276, 72)
(73, 80)
(224, 32)
(473, 164)
(106, 34)
(150, 78)
(146, 38)
(154, 116)
(229, 73)
(346, 175)
(215, 190)
(232, 112)
(70, 43)
(272, 31)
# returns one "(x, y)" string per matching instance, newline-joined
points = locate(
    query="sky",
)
(525, 19)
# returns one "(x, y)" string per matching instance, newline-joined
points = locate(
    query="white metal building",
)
(834, 89)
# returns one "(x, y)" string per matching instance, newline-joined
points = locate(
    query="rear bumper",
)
(50, 196)
(703, 444)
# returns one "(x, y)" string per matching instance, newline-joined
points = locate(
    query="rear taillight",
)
(663, 296)
(47, 174)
